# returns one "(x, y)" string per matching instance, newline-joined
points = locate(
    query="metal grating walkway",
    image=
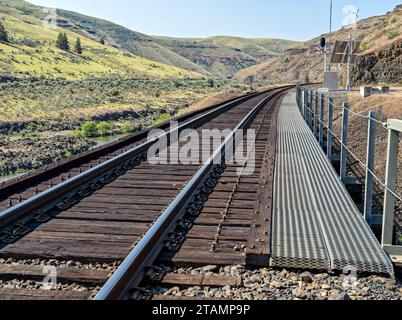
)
(316, 225)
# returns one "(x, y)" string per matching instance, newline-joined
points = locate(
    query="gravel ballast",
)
(266, 284)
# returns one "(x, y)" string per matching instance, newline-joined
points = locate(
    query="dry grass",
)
(212, 100)
(387, 106)
(220, 97)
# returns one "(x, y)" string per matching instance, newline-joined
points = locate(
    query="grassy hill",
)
(126, 39)
(56, 94)
(219, 56)
(114, 35)
(224, 56)
(31, 53)
(379, 35)
(260, 49)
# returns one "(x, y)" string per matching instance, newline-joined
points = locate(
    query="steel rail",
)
(12, 186)
(48, 199)
(131, 271)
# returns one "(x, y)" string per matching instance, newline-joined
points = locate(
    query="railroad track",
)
(107, 223)
(19, 189)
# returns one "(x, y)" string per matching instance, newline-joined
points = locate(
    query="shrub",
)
(104, 129)
(126, 129)
(28, 42)
(77, 134)
(162, 118)
(89, 129)
(114, 92)
(393, 34)
(211, 83)
(365, 45)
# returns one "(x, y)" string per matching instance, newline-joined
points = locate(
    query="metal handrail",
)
(394, 127)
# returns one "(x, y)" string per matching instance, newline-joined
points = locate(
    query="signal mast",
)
(330, 78)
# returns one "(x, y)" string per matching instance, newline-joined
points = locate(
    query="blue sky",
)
(288, 19)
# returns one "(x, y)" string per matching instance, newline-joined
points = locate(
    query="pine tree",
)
(78, 47)
(66, 44)
(62, 42)
(59, 41)
(3, 33)
(102, 41)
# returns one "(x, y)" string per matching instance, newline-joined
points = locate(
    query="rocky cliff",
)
(379, 59)
(382, 66)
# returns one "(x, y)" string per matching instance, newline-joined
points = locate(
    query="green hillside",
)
(32, 53)
(219, 56)
(224, 56)
(115, 36)
(260, 49)
(126, 39)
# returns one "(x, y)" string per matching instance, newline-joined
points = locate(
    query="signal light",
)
(322, 42)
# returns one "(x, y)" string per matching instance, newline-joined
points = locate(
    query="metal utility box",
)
(366, 91)
(331, 80)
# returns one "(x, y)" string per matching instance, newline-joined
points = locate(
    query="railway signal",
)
(331, 79)
(323, 43)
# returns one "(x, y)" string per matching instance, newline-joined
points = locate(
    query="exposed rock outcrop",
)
(385, 66)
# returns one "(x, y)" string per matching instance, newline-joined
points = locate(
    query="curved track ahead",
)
(85, 217)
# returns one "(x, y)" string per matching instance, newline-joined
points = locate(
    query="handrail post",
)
(390, 182)
(311, 111)
(370, 167)
(321, 132)
(316, 115)
(345, 127)
(304, 101)
(330, 127)
(308, 107)
(299, 95)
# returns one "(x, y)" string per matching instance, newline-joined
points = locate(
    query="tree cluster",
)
(3, 33)
(62, 42)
